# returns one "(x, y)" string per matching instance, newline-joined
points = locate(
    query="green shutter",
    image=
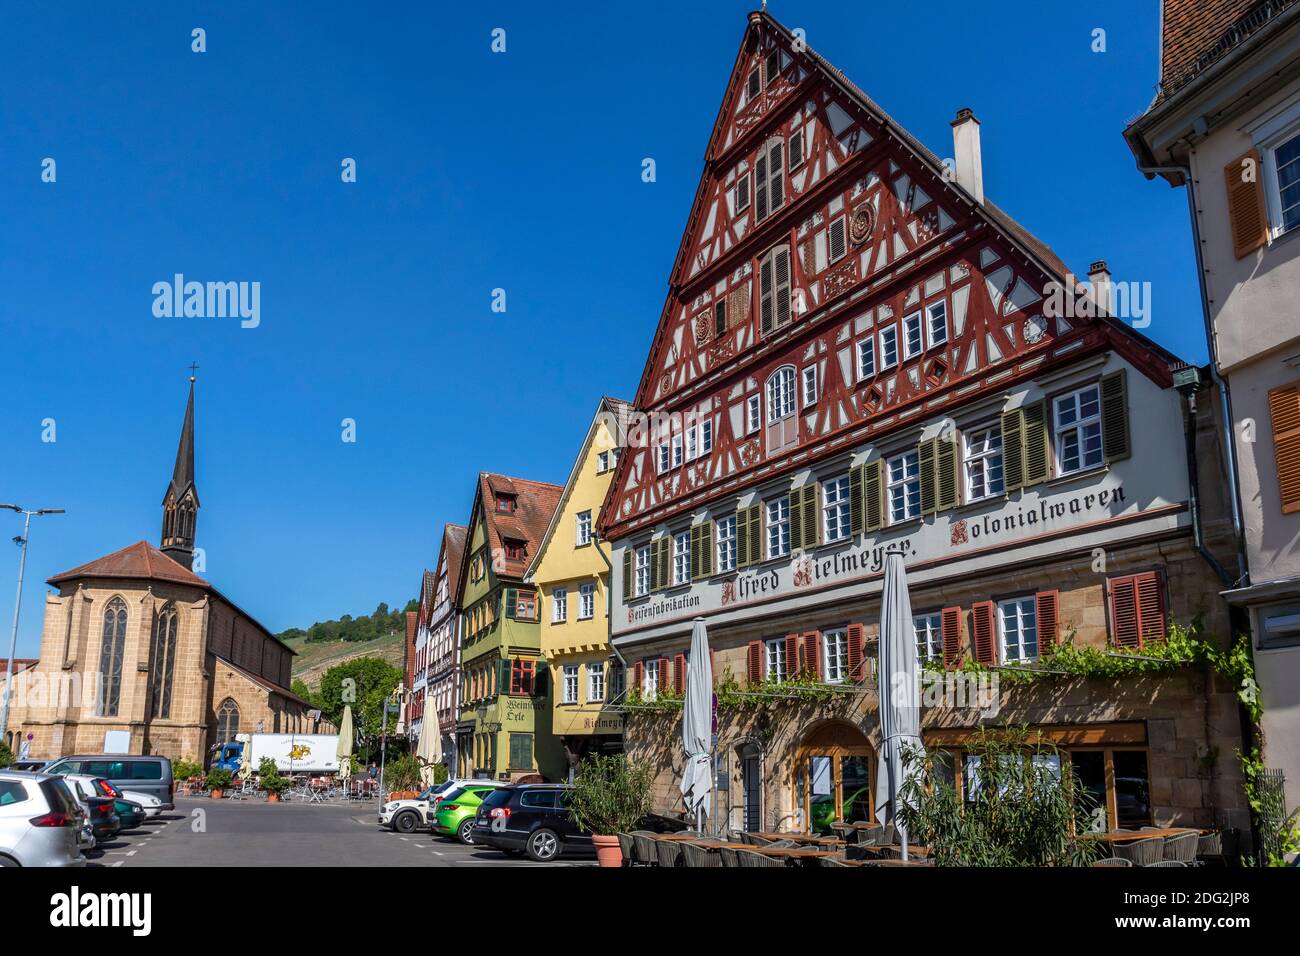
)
(503, 676)
(1013, 450)
(656, 565)
(1036, 445)
(811, 526)
(1114, 417)
(947, 478)
(856, 511)
(742, 538)
(512, 602)
(755, 519)
(873, 496)
(925, 455)
(796, 519)
(695, 551)
(627, 574)
(749, 536)
(706, 550)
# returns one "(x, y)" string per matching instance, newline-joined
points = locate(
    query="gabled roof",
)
(535, 503)
(618, 409)
(1196, 34)
(140, 560)
(453, 548)
(263, 682)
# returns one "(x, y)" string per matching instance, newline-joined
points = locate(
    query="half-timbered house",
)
(860, 351)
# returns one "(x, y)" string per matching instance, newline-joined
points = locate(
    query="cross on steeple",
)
(193, 368)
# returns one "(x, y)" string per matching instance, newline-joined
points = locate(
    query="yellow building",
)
(571, 572)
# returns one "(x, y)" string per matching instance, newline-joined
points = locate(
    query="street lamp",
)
(18, 602)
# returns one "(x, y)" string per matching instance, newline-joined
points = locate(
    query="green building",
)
(504, 728)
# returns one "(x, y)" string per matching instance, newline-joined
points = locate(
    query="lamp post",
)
(18, 602)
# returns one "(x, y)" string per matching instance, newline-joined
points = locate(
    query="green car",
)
(822, 808)
(454, 815)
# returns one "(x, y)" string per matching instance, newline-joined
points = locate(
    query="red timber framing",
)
(863, 229)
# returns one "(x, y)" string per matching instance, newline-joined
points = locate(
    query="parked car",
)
(100, 810)
(406, 816)
(531, 818)
(150, 805)
(29, 766)
(454, 814)
(39, 821)
(151, 775)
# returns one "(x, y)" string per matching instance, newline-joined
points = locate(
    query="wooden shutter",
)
(796, 149)
(1151, 606)
(791, 655)
(950, 629)
(812, 645)
(1114, 417)
(1036, 444)
(857, 635)
(796, 519)
(679, 673)
(695, 552)
(719, 317)
(760, 185)
(1013, 450)
(706, 550)
(1124, 613)
(803, 518)
(947, 479)
(856, 517)
(1246, 213)
(638, 677)
(777, 173)
(765, 294)
(985, 635)
(742, 537)
(665, 675)
(512, 602)
(873, 496)
(1284, 411)
(1047, 614)
(925, 455)
(754, 522)
(781, 270)
(754, 655)
(836, 240)
(628, 573)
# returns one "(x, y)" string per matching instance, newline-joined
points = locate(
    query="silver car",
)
(40, 822)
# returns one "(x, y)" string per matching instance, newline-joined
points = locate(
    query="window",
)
(913, 336)
(719, 317)
(780, 394)
(726, 544)
(227, 720)
(111, 651)
(595, 681)
(983, 463)
(769, 177)
(742, 193)
(889, 347)
(584, 528)
(753, 415)
(642, 571)
(774, 659)
(904, 487)
(650, 679)
(505, 503)
(682, 558)
(602, 462)
(809, 381)
(1286, 162)
(526, 606)
(774, 290)
(937, 323)
(618, 678)
(796, 149)
(692, 444)
(586, 601)
(867, 358)
(778, 527)
(835, 655)
(521, 677)
(559, 605)
(838, 246)
(164, 662)
(1076, 427)
(835, 509)
(515, 550)
(704, 431)
(929, 636)
(677, 450)
(570, 690)
(1019, 626)
(772, 66)
(661, 462)
(753, 87)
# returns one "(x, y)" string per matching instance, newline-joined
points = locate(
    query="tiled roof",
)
(453, 547)
(140, 560)
(535, 502)
(263, 682)
(1196, 34)
(20, 664)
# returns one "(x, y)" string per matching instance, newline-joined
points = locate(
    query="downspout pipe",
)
(1225, 396)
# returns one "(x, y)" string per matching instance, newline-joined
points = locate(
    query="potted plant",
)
(270, 780)
(610, 796)
(217, 780)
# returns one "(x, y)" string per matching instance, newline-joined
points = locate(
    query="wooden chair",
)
(1182, 848)
(748, 858)
(1114, 861)
(1142, 852)
(694, 854)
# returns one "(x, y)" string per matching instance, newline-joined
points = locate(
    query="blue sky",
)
(475, 171)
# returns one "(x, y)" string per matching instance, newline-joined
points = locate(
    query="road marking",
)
(130, 852)
(118, 863)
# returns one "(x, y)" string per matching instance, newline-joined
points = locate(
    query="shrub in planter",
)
(610, 796)
(183, 769)
(402, 773)
(218, 780)
(270, 779)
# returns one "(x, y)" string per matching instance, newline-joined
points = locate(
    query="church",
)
(139, 654)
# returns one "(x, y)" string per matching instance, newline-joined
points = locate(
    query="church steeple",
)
(181, 500)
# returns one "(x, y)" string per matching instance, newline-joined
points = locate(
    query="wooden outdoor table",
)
(793, 852)
(802, 838)
(1128, 836)
(677, 837)
(896, 863)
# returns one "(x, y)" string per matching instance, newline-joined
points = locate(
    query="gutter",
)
(1225, 395)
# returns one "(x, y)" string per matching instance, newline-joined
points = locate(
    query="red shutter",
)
(812, 641)
(638, 676)
(679, 673)
(665, 675)
(755, 662)
(1047, 612)
(791, 655)
(1123, 612)
(982, 624)
(950, 628)
(1151, 606)
(857, 637)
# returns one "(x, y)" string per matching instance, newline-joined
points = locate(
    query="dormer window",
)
(515, 550)
(505, 503)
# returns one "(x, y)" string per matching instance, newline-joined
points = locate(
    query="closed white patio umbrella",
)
(697, 725)
(344, 749)
(900, 703)
(428, 752)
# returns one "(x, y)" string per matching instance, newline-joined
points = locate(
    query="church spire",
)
(181, 501)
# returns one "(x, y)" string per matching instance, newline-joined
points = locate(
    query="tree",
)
(299, 687)
(372, 681)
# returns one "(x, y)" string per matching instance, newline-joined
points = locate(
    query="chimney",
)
(966, 150)
(1099, 282)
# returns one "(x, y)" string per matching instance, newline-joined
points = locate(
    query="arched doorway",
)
(833, 776)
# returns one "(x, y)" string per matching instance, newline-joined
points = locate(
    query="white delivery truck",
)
(292, 753)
